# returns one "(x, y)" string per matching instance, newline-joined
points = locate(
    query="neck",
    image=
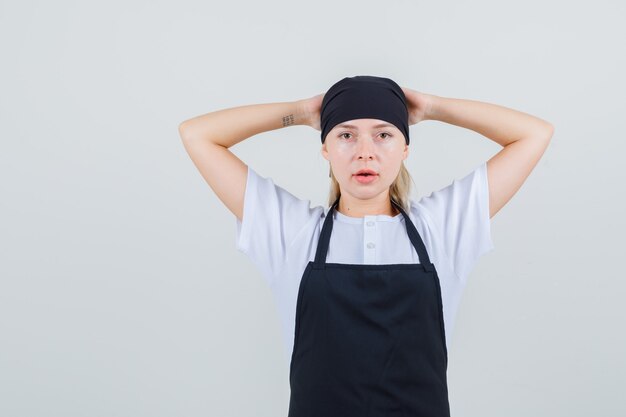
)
(352, 207)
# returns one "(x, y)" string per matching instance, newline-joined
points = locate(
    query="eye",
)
(342, 135)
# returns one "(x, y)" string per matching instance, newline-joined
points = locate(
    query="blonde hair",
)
(399, 190)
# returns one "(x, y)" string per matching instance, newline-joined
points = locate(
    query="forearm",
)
(498, 123)
(230, 126)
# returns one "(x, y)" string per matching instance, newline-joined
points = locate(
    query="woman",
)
(367, 288)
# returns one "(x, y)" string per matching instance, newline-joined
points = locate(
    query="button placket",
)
(369, 234)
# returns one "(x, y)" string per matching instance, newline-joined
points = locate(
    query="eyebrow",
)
(347, 126)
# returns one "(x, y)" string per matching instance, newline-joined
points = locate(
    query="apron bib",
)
(369, 339)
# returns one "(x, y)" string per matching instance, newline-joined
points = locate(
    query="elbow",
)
(183, 130)
(546, 131)
(550, 130)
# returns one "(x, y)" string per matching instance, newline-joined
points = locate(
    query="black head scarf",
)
(364, 97)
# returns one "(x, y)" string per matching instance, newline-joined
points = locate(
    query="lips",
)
(366, 172)
(366, 176)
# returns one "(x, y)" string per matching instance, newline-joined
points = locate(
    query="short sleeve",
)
(460, 213)
(272, 218)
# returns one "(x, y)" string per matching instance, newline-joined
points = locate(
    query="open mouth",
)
(365, 177)
(366, 173)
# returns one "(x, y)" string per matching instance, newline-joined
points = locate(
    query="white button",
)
(370, 245)
(370, 223)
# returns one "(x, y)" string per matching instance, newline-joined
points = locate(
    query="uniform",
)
(281, 235)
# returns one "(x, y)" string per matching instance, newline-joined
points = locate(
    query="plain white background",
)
(121, 290)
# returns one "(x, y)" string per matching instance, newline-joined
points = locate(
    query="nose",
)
(365, 148)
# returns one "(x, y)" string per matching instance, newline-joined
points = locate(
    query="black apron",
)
(369, 339)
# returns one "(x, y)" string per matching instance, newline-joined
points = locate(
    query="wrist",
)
(432, 103)
(300, 113)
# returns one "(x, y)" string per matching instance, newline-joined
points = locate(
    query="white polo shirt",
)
(279, 234)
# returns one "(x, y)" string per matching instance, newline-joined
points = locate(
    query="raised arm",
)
(523, 136)
(207, 138)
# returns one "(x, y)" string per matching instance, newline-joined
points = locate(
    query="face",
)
(365, 144)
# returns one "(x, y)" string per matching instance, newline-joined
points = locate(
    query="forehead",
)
(357, 124)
